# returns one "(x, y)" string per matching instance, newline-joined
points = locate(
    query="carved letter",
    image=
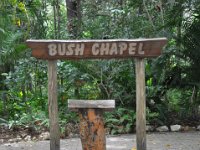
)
(113, 49)
(122, 47)
(95, 49)
(140, 50)
(79, 49)
(61, 49)
(52, 49)
(104, 48)
(132, 48)
(70, 49)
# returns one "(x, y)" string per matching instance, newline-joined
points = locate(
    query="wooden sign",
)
(96, 49)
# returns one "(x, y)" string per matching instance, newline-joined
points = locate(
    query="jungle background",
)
(172, 79)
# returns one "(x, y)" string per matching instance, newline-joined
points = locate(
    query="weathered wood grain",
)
(53, 106)
(96, 49)
(92, 132)
(107, 105)
(140, 105)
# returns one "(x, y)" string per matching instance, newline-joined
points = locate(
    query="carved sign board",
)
(96, 49)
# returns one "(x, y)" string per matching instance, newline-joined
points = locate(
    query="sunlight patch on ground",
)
(121, 139)
(118, 147)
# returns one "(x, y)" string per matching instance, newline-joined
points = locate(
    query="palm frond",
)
(11, 48)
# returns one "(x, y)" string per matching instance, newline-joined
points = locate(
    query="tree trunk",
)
(73, 17)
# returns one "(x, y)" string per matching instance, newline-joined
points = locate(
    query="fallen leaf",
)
(168, 145)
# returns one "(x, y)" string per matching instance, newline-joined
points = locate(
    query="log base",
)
(92, 132)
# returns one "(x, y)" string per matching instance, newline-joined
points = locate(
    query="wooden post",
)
(92, 132)
(53, 106)
(140, 104)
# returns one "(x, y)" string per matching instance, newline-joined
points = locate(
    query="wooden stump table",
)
(92, 132)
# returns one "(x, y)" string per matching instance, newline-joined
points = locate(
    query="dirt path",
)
(156, 141)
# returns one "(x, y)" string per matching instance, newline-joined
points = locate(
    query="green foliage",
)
(67, 118)
(123, 120)
(3, 121)
(173, 97)
(37, 120)
(151, 117)
(172, 80)
(120, 121)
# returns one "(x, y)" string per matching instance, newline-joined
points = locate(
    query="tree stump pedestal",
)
(91, 128)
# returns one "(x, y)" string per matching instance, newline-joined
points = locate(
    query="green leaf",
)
(2, 30)
(4, 74)
(113, 131)
(3, 121)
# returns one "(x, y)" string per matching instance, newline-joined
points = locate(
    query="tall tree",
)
(73, 17)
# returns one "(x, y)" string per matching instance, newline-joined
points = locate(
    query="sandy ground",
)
(155, 141)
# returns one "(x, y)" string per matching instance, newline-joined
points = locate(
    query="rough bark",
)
(73, 17)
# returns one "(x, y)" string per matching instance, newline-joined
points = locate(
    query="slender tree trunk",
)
(57, 6)
(5, 99)
(55, 20)
(73, 17)
(56, 13)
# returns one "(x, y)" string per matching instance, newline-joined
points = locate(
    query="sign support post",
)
(140, 104)
(53, 105)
